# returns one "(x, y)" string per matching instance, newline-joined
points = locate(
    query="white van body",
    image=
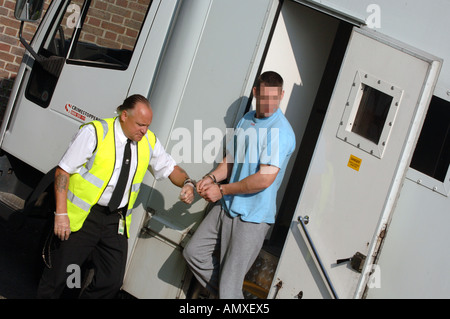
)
(349, 188)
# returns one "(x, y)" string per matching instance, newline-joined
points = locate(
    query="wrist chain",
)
(215, 182)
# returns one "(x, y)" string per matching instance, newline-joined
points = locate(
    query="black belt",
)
(105, 210)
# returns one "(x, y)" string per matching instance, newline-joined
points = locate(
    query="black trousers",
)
(99, 240)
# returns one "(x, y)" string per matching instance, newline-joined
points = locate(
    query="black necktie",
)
(119, 190)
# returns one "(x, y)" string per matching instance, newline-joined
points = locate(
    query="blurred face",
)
(268, 100)
(135, 122)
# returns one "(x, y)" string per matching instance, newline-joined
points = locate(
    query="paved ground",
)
(20, 253)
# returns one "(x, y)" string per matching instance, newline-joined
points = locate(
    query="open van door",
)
(361, 156)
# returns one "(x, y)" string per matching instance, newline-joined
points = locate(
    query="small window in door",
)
(372, 113)
(369, 113)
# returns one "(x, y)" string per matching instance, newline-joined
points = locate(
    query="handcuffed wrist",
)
(221, 190)
(212, 177)
(189, 181)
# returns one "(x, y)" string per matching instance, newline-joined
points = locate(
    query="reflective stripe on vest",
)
(87, 186)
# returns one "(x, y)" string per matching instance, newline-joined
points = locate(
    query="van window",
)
(372, 113)
(432, 154)
(107, 32)
(93, 33)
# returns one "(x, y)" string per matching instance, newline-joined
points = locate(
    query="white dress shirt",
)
(82, 147)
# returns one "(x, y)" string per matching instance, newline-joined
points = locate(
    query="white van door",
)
(362, 153)
(100, 44)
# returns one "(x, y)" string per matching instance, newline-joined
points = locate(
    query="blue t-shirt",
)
(257, 141)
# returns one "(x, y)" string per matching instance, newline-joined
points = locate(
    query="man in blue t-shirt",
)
(254, 165)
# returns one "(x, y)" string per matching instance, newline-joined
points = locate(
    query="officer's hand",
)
(62, 227)
(187, 193)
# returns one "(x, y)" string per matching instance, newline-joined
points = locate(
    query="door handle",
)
(356, 262)
(303, 221)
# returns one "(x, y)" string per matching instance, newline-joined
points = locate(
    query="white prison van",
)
(364, 208)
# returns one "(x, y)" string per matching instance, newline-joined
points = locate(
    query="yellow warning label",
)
(354, 162)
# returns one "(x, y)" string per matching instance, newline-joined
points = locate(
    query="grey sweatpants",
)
(222, 250)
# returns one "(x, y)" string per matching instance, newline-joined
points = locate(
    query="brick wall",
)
(11, 50)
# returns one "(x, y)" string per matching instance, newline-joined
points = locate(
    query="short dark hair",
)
(270, 78)
(130, 102)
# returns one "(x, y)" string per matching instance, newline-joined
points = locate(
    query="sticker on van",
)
(79, 114)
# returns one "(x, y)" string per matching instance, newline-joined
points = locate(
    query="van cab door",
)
(100, 44)
(361, 156)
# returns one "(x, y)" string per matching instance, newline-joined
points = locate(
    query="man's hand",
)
(205, 182)
(62, 226)
(210, 192)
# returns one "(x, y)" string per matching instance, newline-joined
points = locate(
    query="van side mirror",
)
(28, 10)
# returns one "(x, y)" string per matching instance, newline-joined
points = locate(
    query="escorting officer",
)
(96, 185)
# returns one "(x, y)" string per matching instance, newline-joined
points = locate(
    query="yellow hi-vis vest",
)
(86, 187)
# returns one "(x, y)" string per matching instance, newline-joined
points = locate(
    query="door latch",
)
(356, 262)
